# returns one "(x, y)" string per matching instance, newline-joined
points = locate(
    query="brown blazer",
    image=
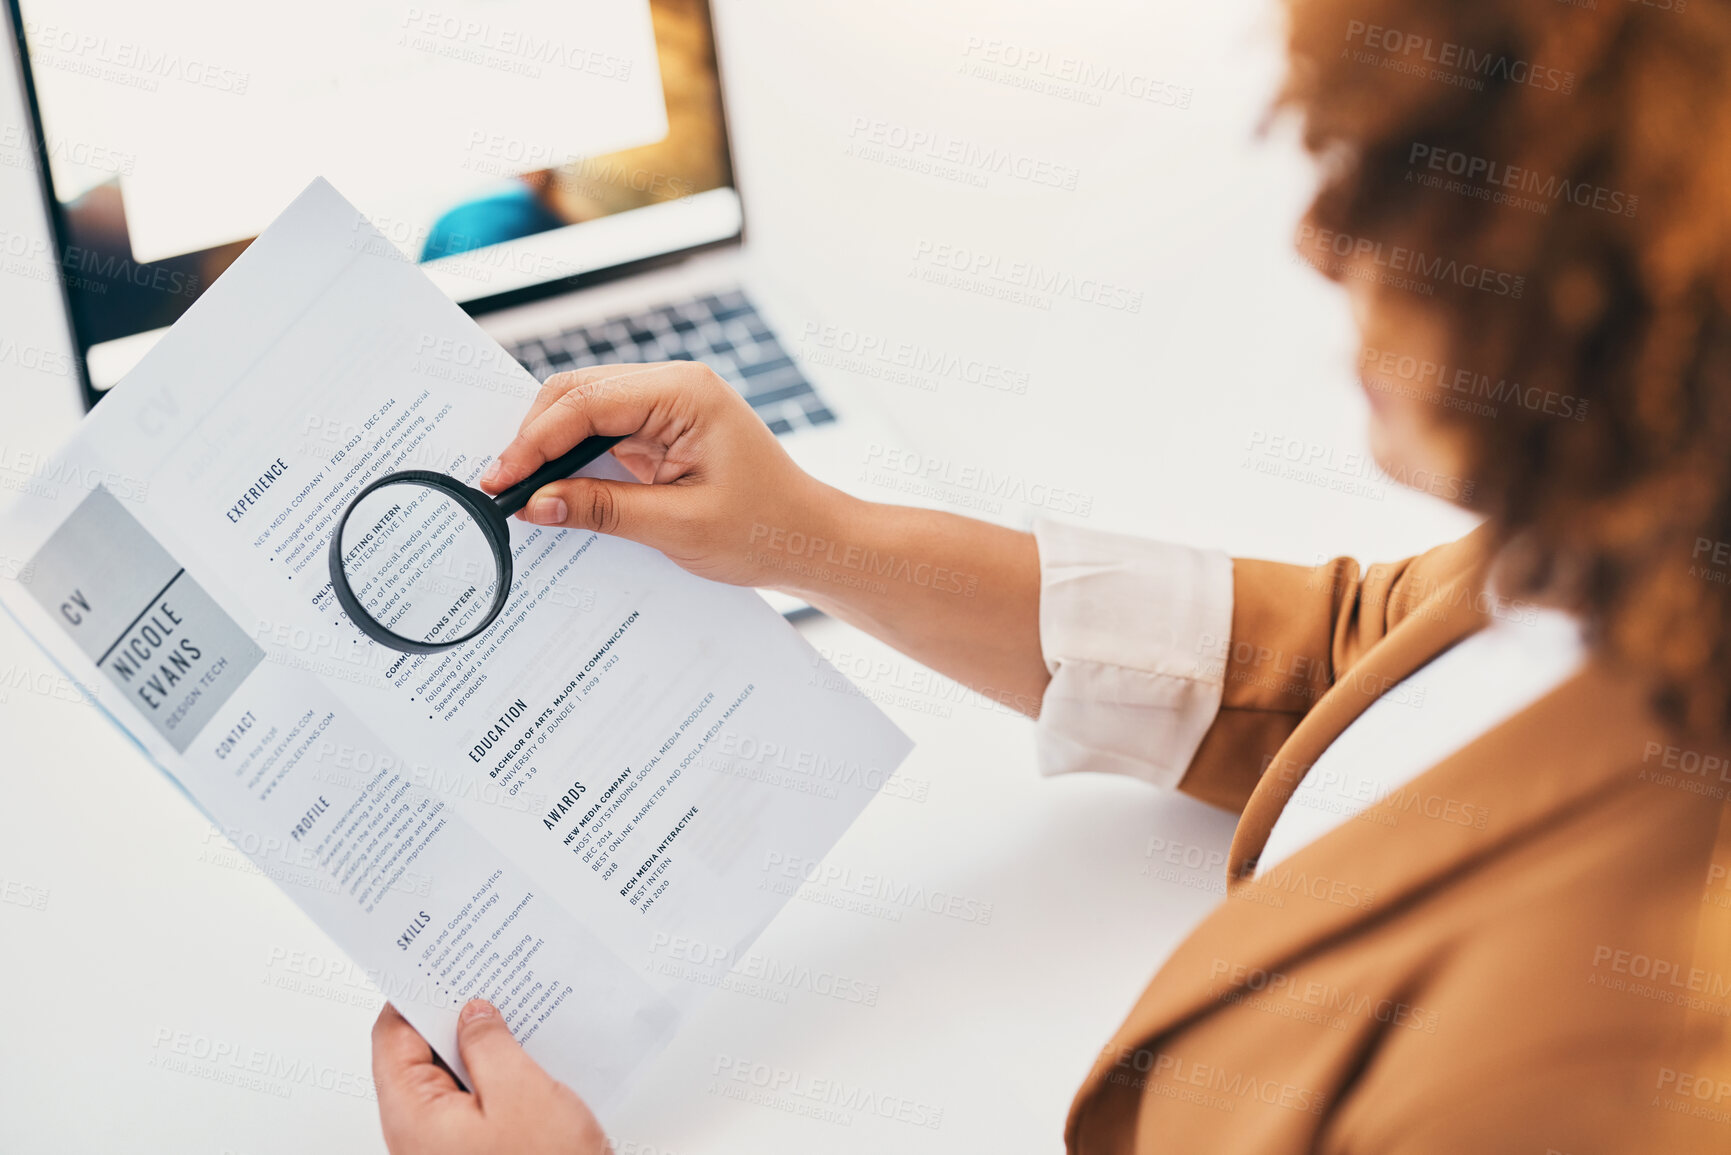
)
(1527, 949)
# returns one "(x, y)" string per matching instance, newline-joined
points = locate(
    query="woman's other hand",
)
(516, 1108)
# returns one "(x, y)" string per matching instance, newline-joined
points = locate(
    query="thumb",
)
(625, 509)
(497, 1064)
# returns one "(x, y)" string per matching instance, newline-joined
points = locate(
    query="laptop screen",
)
(504, 144)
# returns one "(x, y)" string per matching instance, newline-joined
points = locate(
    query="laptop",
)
(563, 172)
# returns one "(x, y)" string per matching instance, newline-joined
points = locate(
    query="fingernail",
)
(492, 474)
(477, 1009)
(547, 511)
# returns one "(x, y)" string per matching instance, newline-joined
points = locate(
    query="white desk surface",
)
(133, 939)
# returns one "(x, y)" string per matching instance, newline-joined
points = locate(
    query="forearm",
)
(959, 595)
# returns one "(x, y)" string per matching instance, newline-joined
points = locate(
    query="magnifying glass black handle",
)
(515, 498)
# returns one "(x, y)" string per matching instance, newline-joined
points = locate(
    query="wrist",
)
(803, 553)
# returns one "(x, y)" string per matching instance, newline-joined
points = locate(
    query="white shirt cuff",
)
(1133, 632)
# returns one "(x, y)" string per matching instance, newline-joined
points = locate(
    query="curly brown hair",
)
(1549, 182)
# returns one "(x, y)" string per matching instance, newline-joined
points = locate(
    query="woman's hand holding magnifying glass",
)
(727, 503)
(721, 482)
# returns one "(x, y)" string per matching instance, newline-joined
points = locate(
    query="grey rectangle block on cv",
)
(135, 611)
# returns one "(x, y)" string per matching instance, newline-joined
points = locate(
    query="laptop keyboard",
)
(722, 330)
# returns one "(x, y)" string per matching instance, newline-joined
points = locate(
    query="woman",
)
(1494, 922)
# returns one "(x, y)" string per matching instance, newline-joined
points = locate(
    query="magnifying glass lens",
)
(418, 562)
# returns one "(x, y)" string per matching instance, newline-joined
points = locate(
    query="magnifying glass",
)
(421, 562)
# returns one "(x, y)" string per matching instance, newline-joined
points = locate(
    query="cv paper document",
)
(627, 751)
